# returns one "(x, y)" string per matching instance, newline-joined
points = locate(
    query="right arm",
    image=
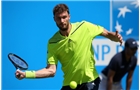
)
(113, 36)
(96, 30)
(110, 76)
(49, 71)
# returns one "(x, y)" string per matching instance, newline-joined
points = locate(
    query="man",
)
(121, 63)
(72, 46)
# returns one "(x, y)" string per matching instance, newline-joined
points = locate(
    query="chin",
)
(63, 29)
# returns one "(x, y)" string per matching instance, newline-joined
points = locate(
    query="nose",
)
(62, 20)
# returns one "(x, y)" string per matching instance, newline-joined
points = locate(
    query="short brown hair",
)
(60, 8)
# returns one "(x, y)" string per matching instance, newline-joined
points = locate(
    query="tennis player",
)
(122, 63)
(72, 46)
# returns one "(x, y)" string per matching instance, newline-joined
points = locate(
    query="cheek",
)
(129, 51)
(132, 52)
(57, 22)
(67, 19)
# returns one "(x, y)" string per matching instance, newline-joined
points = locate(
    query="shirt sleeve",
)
(134, 63)
(94, 30)
(51, 58)
(113, 65)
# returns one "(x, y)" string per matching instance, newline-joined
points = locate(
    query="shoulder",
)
(134, 59)
(115, 61)
(117, 57)
(84, 22)
(55, 38)
(78, 23)
(88, 23)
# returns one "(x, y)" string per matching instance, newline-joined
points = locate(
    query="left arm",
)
(129, 80)
(113, 36)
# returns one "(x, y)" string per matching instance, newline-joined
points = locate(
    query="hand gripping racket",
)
(17, 61)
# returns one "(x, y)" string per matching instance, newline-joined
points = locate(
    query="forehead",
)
(65, 13)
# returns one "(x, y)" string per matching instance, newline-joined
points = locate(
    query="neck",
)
(66, 32)
(127, 56)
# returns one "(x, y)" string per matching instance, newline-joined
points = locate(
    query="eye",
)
(64, 17)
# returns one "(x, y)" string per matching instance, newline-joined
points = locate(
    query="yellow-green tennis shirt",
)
(75, 52)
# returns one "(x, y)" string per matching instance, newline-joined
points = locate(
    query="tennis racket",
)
(17, 61)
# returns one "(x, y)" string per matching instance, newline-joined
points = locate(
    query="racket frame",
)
(16, 65)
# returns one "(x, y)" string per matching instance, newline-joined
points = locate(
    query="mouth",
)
(63, 25)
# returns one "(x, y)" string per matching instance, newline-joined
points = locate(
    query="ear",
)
(69, 16)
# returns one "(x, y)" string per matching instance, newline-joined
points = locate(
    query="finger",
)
(18, 71)
(121, 41)
(21, 76)
(117, 32)
(118, 36)
(17, 74)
